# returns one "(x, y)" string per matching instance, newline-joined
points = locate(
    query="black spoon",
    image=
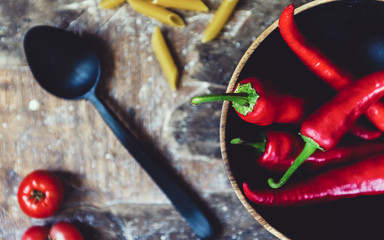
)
(67, 68)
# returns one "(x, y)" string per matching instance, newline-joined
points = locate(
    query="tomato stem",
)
(37, 195)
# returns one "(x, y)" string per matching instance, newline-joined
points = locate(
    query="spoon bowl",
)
(67, 68)
(63, 65)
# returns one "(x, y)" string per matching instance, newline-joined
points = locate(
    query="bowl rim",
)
(224, 112)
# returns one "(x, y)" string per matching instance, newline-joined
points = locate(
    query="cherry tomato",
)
(36, 233)
(40, 194)
(65, 231)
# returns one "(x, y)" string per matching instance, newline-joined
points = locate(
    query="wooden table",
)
(108, 196)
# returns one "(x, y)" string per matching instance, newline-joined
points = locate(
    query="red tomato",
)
(40, 194)
(36, 233)
(65, 231)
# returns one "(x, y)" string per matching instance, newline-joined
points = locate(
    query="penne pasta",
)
(165, 58)
(110, 3)
(193, 5)
(157, 12)
(219, 19)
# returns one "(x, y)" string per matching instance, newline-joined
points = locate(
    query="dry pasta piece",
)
(193, 5)
(219, 19)
(157, 12)
(165, 58)
(110, 3)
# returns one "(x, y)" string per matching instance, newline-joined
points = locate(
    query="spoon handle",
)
(184, 200)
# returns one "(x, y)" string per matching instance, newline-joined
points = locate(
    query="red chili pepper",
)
(276, 147)
(319, 64)
(279, 150)
(259, 104)
(363, 178)
(324, 128)
(365, 132)
(256, 103)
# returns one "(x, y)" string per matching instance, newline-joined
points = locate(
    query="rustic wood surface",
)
(108, 195)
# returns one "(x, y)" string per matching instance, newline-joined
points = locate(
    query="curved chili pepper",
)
(362, 131)
(324, 128)
(363, 178)
(279, 150)
(256, 103)
(319, 64)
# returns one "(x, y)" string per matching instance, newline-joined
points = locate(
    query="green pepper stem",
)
(259, 146)
(239, 98)
(309, 148)
(243, 99)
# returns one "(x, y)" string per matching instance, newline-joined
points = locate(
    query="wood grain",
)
(107, 194)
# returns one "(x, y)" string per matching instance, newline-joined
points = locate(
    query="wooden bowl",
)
(351, 33)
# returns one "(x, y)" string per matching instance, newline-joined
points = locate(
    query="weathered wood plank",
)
(107, 192)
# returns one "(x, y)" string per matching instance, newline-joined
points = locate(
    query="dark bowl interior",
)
(351, 33)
